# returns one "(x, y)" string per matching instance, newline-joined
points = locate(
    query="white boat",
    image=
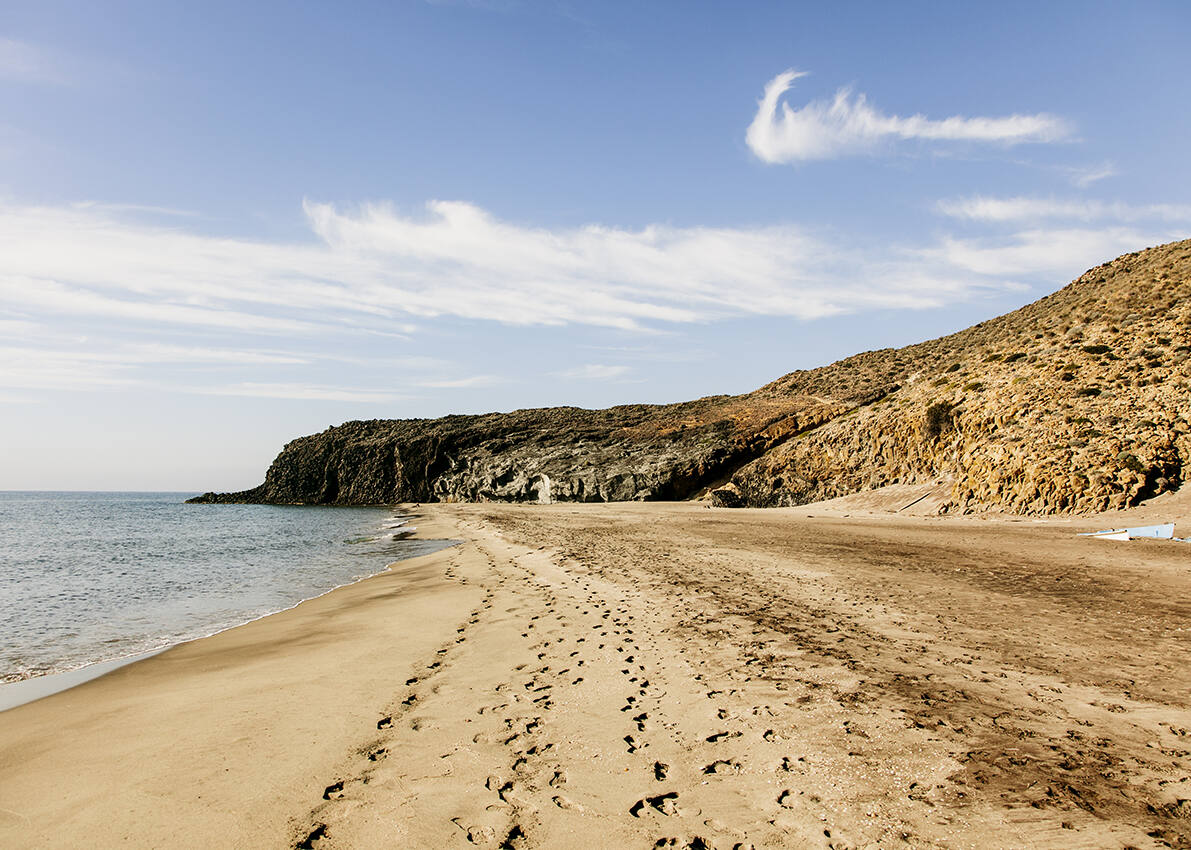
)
(1123, 534)
(1161, 532)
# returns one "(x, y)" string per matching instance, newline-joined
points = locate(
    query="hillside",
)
(1078, 402)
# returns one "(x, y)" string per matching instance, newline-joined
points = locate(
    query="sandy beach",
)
(656, 675)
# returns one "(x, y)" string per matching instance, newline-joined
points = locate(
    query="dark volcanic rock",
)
(726, 497)
(633, 452)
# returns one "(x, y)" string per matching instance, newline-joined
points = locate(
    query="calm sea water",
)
(87, 577)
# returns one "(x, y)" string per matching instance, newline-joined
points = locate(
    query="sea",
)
(87, 579)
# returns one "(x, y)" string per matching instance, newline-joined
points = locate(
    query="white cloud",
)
(146, 209)
(161, 353)
(848, 124)
(980, 208)
(54, 298)
(1084, 177)
(105, 366)
(470, 382)
(372, 269)
(98, 301)
(1054, 254)
(11, 329)
(298, 391)
(59, 362)
(23, 367)
(593, 372)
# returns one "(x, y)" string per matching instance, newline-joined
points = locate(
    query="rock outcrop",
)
(1078, 402)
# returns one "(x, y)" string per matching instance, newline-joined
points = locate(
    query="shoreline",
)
(653, 672)
(226, 734)
(32, 688)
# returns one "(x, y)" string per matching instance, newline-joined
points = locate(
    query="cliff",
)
(1078, 402)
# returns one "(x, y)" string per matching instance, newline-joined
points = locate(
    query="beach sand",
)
(641, 675)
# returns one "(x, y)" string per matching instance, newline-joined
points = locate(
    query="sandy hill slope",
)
(1079, 402)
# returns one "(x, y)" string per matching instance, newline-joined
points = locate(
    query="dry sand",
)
(656, 675)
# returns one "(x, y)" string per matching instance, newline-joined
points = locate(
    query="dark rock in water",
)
(999, 414)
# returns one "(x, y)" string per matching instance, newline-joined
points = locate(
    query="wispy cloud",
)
(104, 365)
(11, 329)
(1057, 254)
(25, 367)
(52, 297)
(147, 209)
(94, 299)
(374, 269)
(22, 61)
(470, 382)
(1086, 176)
(847, 124)
(593, 372)
(1018, 208)
(49, 360)
(298, 392)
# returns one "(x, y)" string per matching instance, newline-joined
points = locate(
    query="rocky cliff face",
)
(553, 454)
(1078, 402)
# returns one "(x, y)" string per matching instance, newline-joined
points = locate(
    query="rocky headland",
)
(1079, 402)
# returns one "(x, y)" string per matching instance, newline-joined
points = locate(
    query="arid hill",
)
(1079, 402)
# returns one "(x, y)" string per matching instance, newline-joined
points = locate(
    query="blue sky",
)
(224, 225)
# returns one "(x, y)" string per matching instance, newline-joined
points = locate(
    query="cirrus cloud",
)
(1018, 208)
(101, 299)
(374, 269)
(593, 372)
(848, 124)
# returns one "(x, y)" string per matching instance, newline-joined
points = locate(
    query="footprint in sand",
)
(317, 834)
(721, 766)
(664, 803)
(333, 791)
(564, 803)
(721, 736)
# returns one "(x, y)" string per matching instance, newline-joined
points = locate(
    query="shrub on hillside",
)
(939, 418)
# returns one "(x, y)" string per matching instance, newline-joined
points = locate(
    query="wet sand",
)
(655, 675)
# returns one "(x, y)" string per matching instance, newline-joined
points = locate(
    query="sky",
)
(226, 225)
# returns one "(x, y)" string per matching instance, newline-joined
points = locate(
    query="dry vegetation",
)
(1077, 402)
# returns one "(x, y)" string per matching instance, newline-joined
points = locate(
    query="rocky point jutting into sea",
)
(1078, 402)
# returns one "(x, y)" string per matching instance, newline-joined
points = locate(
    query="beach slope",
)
(641, 675)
